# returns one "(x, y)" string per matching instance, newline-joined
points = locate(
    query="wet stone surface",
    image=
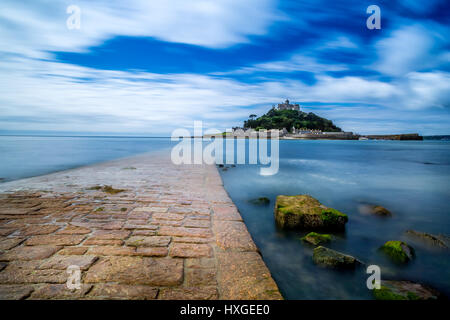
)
(171, 233)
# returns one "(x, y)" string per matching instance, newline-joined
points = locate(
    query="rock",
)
(334, 259)
(305, 212)
(260, 201)
(428, 238)
(374, 209)
(398, 251)
(316, 238)
(404, 290)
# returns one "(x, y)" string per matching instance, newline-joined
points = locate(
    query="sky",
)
(148, 67)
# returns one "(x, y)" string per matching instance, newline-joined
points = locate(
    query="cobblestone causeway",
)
(172, 233)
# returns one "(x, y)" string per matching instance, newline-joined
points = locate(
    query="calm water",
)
(411, 179)
(25, 156)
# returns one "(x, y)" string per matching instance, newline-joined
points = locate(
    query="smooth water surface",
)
(27, 156)
(410, 178)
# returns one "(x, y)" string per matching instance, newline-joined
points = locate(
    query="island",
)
(287, 121)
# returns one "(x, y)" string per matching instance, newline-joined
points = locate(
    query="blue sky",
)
(148, 67)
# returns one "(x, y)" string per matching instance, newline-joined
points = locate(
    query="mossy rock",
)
(436, 241)
(398, 251)
(404, 290)
(260, 201)
(333, 259)
(316, 238)
(306, 212)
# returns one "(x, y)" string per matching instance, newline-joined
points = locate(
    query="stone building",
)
(287, 106)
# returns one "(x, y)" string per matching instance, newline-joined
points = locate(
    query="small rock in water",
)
(316, 238)
(404, 290)
(428, 238)
(260, 201)
(374, 209)
(306, 212)
(398, 251)
(333, 259)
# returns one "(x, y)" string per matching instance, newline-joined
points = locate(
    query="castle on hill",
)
(287, 106)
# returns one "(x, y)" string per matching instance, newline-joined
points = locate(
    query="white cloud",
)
(408, 49)
(35, 27)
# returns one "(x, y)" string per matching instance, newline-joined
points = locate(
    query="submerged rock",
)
(374, 209)
(305, 212)
(260, 201)
(404, 290)
(316, 238)
(428, 238)
(398, 251)
(333, 259)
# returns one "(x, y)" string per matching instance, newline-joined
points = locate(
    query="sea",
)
(409, 178)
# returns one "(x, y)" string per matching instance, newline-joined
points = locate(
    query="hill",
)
(279, 119)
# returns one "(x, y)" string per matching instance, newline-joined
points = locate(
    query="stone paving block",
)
(208, 263)
(15, 292)
(243, 275)
(153, 241)
(6, 231)
(112, 251)
(60, 240)
(74, 230)
(201, 277)
(152, 252)
(29, 253)
(233, 235)
(73, 250)
(196, 293)
(62, 262)
(38, 230)
(137, 270)
(123, 292)
(25, 275)
(10, 243)
(190, 250)
(184, 232)
(102, 242)
(59, 292)
(226, 213)
(197, 223)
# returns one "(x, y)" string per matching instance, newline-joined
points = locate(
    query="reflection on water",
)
(411, 179)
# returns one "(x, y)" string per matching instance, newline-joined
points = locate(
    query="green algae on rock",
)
(404, 290)
(374, 209)
(306, 212)
(333, 259)
(260, 201)
(107, 189)
(398, 251)
(316, 238)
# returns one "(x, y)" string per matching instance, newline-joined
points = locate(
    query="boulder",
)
(260, 201)
(316, 238)
(306, 212)
(437, 241)
(404, 290)
(334, 259)
(374, 209)
(398, 251)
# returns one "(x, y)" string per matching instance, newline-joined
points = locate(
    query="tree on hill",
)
(279, 119)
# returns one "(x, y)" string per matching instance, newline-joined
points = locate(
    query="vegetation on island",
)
(279, 119)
